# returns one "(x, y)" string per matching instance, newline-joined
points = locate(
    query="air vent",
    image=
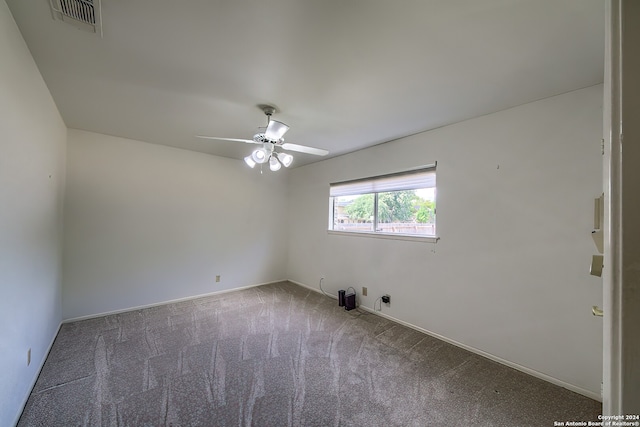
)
(84, 14)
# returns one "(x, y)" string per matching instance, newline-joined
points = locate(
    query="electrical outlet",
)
(28, 357)
(386, 299)
(364, 291)
(218, 278)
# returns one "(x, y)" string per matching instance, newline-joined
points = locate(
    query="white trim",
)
(35, 377)
(313, 289)
(529, 371)
(155, 304)
(407, 237)
(612, 378)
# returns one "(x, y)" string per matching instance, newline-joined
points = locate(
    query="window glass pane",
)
(402, 203)
(407, 212)
(353, 213)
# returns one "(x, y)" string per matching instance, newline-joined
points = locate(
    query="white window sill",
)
(408, 237)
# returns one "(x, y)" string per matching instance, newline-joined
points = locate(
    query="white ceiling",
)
(344, 74)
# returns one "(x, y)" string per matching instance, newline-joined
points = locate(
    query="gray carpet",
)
(279, 355)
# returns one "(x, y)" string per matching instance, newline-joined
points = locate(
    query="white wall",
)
(32, 150)
(510, 275)
(146, 224)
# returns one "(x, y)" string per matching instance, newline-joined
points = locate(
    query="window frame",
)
(430, 169)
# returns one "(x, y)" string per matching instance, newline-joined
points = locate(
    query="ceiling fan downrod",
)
(268, 110)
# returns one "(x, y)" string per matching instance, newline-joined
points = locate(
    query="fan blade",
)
(248, 141)
(304, 149)
(275, 130)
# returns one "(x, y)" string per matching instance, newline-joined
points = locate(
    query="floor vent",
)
(83, 14)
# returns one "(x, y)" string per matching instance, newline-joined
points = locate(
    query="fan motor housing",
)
(260, 138)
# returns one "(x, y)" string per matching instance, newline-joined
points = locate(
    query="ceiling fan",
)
(269, 141)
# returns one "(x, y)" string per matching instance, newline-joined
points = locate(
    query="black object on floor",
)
(341, 293)
(350, 301)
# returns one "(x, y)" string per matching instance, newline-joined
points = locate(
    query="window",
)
(396, 204)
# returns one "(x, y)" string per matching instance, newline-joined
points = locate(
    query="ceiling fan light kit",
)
(249, 161)
(274, 164)
(285, 159)
(269, 140)
(261, 155)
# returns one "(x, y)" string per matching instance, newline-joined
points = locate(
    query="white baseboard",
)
(529, 371)
(35, 377)
(313, 289)
(155, 304)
